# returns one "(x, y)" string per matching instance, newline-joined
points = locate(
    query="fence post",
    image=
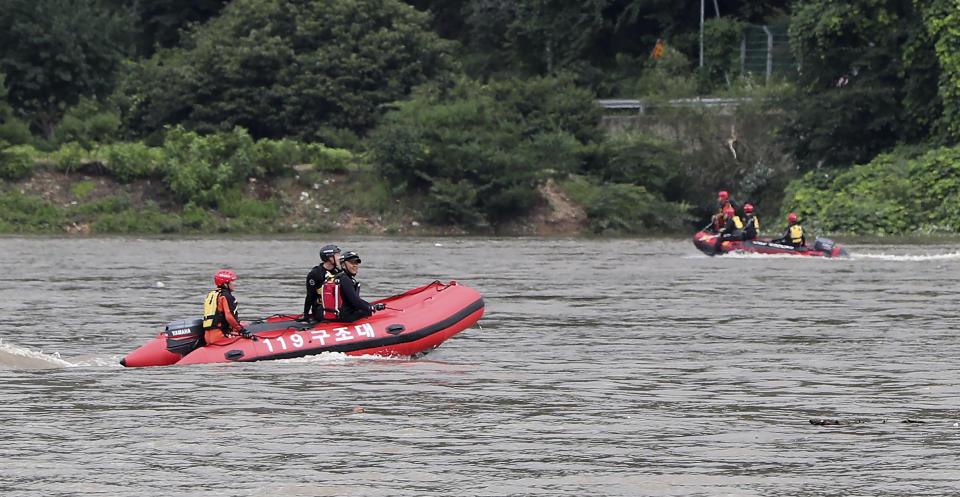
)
(769, 53)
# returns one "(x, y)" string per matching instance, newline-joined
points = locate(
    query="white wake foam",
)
(14, 356)
(908, 257)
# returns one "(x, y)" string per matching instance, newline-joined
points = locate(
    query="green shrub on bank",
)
(21, 213)
(14, 131)
(131, 161)
(326, 159)
(69, 157)
(896, 193)
(479, 152)
(199, 168)
(107, 205)
(620, 208)
(17, 162)
(82, 189)
(235, 204)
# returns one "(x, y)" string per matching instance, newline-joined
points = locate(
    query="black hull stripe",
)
(376, 342)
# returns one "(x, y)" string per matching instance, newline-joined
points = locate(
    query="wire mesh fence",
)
(765, 50)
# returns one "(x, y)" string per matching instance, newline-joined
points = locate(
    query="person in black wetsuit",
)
(353, 307)
(328, 268)
(793, 235)
(751, 224)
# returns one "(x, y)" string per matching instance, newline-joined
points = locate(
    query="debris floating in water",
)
(852, 421)
(160, 284)
(358, 409)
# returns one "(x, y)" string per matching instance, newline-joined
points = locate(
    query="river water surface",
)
(601, 367)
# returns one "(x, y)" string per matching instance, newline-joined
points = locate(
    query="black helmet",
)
(350, 256)
(328, 250)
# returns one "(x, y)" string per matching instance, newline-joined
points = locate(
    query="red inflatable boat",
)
(413, 322)
(706, 242)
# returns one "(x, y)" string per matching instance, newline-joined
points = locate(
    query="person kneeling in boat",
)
(732, 227)
(220, 319)
(325, 271)
(793, 235)
(723, 201)
(341, 296)
(751, 224)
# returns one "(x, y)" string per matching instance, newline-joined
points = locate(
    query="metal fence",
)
(766, 50)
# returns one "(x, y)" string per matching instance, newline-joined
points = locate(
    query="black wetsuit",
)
(750, 227)
(788, 240)
(315, 279)
(353, 307)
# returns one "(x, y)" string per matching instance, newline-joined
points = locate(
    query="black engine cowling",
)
(824, 245)
(185, 335)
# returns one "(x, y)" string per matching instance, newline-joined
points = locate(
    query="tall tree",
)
(942, 20)
(288, 68)
(868, 80)
(55, 51)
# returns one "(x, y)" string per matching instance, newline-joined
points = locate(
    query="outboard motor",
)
(824, 245)
(185, 335)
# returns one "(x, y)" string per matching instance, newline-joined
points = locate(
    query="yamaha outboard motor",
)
(185, 335)
(823, 245)
(829, 248)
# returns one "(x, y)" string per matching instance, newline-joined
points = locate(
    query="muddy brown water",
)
(608, 367)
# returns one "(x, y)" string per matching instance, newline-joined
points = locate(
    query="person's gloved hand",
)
(378, 307)
(244, 333)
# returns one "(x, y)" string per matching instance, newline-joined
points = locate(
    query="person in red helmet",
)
(723, 201)
(793, 235)
(220, 319)
(751, 224)
(732, 227)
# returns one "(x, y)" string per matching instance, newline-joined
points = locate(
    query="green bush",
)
(70, 156)
(150, 219)
(452, 203)
(200, 167)
(896, 193)
(82, 189)
(329, 159)
(479, 152)
(275, 157)
(21, 213)
(198, 219)
(131, 161)
(618, 208)
(15, 132)
(107, 205)
(17, 162)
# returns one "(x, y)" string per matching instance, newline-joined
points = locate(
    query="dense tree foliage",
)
(485, 100)
(55, 51)
(901, 192)
(867, 81)
(287, 68)
(481, 150)
(162, 21)
(589, 38)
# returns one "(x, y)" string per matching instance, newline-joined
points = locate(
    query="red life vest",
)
(330, 299)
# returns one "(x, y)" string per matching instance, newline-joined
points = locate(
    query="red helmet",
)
(748, 208)
(223, 276)
(792, 218)
(728, 211)
(723, 195)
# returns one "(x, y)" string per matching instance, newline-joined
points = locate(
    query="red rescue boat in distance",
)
(706, 242)
(413, 323)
